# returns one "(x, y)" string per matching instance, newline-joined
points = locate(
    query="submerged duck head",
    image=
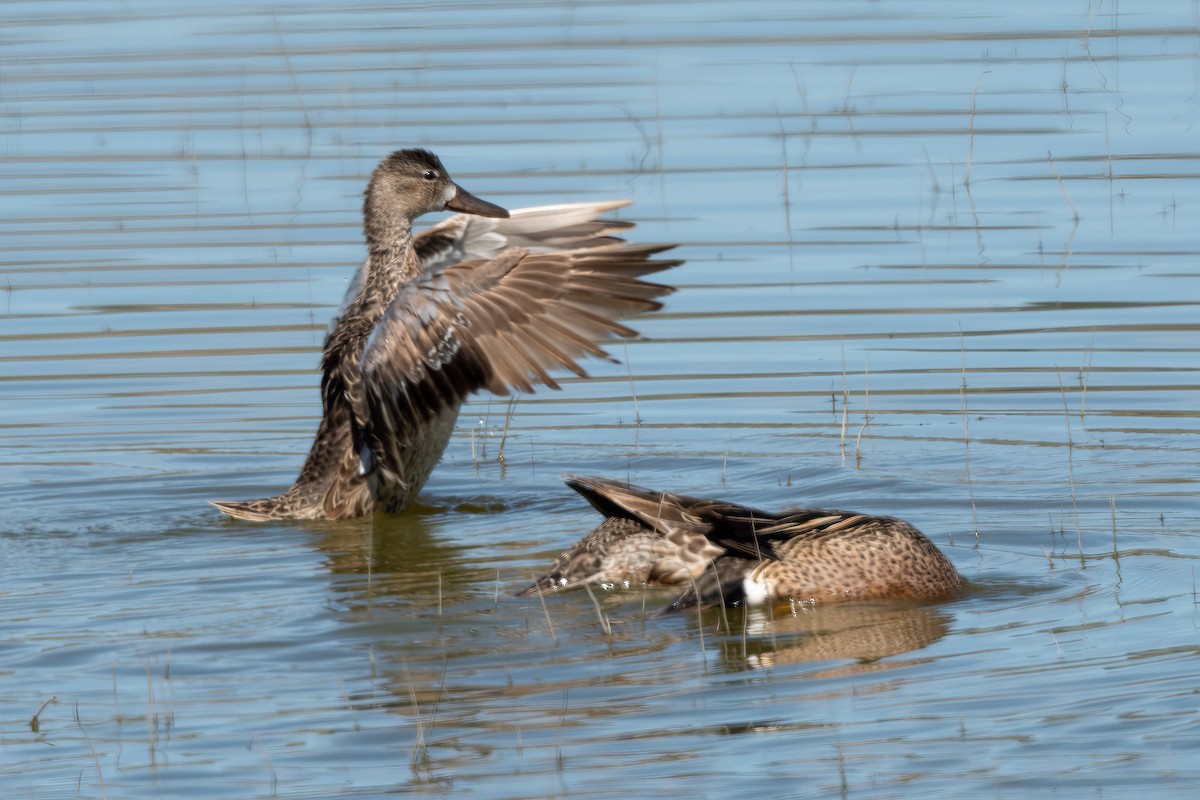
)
(409, 183)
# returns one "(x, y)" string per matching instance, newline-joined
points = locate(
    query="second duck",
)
(725, 553)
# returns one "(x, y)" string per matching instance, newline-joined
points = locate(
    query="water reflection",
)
(863, 632)
(393, 555)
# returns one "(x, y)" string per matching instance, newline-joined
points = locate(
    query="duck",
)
(723, 553)
(486, 299)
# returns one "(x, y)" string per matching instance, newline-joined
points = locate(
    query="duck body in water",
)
(482, 300)
(725, 553)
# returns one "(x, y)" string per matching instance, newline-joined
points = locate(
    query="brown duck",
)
(728, 553)
(483, 300)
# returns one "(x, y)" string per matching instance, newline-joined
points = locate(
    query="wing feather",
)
(563, 226)
(502, 324)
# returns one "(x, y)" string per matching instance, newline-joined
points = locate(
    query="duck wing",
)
(565, 226)
(658, 511)
(751, 533)
(497, 324)
(467, 237)
(732, 529)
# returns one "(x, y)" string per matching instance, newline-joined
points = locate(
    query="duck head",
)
(409, 183)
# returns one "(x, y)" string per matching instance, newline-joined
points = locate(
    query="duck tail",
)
(543, 585)
(282, 506)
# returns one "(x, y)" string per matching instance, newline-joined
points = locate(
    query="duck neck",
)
(391, 262)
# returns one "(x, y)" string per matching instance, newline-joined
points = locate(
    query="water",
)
(940, 264)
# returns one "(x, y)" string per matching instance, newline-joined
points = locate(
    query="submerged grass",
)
(962, 347)
(1071, 469)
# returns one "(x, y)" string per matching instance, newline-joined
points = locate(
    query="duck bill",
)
(468, 203)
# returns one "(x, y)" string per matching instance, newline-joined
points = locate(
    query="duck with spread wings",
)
(483, 300)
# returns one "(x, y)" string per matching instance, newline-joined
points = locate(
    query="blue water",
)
(940, 264)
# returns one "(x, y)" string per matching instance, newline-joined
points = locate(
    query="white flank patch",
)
(756, 592)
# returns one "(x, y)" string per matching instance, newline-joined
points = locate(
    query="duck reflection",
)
(403, 556)
(862, 632)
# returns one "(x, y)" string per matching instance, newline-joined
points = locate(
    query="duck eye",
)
(429, 175)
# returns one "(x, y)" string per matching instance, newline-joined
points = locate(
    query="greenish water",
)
(941, 264)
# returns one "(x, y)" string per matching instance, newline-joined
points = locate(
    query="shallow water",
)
(941, 263)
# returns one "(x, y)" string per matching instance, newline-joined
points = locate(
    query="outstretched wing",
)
(498, 324)
(467, 237)
(565, 226)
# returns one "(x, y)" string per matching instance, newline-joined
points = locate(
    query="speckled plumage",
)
(476, 302)
(719, 551)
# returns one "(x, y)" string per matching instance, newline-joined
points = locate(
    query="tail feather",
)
(550, 582)
(279, 507)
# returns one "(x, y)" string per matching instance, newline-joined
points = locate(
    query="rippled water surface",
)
(941, 263)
